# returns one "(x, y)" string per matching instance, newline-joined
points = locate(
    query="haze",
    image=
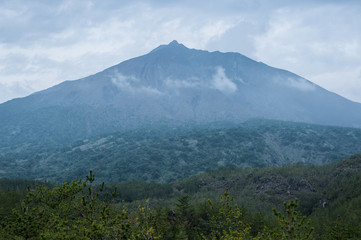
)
(43, 43)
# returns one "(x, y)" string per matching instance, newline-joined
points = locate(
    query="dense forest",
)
(290, 202)
(166, 155)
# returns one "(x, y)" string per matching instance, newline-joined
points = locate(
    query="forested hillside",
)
(328, 196)
(167, 155)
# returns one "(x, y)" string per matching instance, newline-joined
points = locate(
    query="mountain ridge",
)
(172, 85)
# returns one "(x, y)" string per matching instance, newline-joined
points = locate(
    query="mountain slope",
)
(163, 156)
(171, 85)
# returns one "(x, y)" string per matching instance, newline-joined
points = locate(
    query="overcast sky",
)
(43, 43)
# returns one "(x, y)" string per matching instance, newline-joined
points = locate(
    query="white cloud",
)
(126, 83)
(13, 89)
(53, 41)
(96, 37)
(222, 83)
(346, 82)
(301, 84)
(189, 83)
(321, 43)
(298, 83)
(122, 81)
(148, 90)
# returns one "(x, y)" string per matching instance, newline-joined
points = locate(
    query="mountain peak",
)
(174, 43)
(172, 86)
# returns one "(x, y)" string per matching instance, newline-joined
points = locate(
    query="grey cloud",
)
(79, 38)
(13, 90)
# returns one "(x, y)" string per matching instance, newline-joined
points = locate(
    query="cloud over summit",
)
(53, 41)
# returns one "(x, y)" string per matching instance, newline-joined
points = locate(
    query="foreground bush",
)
(79, 210)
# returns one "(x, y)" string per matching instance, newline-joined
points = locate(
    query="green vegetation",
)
(76, 211)
(328, 206)
(12, 191)
(166, 156)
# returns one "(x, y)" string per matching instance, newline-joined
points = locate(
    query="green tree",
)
(144, 222)
(291, 225)
(70, 211)
(226, 221)
(186, 217)
(339, 231)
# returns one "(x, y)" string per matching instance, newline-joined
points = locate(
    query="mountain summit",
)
(172, 85)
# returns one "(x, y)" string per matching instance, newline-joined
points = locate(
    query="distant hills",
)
(170, 86)
(167, 155)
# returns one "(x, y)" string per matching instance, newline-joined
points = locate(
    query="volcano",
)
(171, 85)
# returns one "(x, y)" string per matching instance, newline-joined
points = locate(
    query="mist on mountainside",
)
(170, 86)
